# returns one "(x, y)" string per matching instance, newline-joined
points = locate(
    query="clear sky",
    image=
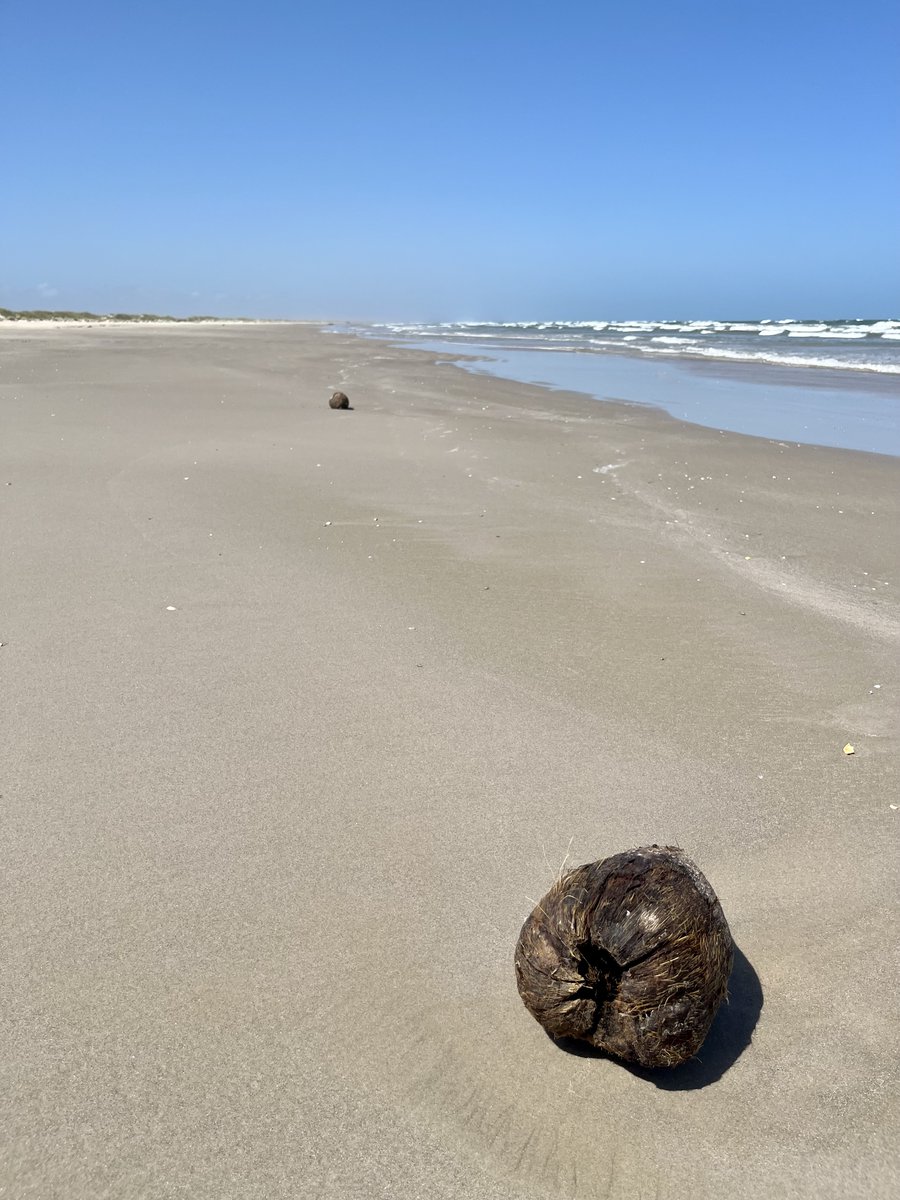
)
(498, 160)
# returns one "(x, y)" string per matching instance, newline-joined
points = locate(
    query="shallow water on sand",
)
(803, 404)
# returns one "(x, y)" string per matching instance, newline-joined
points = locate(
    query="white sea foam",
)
(840, 334)
(710, 339)
(789, 360)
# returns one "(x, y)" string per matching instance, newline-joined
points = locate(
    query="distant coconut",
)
(631, 954)
(339, 400)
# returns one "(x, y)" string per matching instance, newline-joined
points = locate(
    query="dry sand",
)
(303, 709)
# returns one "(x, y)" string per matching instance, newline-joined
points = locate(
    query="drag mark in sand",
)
(789, 584)
(796, 588)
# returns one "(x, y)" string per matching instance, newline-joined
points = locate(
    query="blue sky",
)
(490, 160)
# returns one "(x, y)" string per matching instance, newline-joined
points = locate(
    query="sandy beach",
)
(303, 710)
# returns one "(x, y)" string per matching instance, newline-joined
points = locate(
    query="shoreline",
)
(302, 706)
(755, 400)
(816, 373)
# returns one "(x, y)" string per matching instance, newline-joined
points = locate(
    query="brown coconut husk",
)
(339, 400)
(631, 954)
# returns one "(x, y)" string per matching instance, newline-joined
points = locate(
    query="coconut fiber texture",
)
(631, 954)
(339, 400)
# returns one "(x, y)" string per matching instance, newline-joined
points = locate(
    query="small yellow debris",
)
(848, 749)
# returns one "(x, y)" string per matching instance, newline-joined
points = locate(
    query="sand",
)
(303, 709)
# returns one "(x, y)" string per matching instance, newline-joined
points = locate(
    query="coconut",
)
(339, 400)
(631, 954)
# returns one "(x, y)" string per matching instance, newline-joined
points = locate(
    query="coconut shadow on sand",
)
(729, 1036)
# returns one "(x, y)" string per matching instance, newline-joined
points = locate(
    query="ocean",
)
(825, 382)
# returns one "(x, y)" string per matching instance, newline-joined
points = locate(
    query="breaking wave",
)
(843, 345)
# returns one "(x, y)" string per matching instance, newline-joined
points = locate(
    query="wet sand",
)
(304, 708)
